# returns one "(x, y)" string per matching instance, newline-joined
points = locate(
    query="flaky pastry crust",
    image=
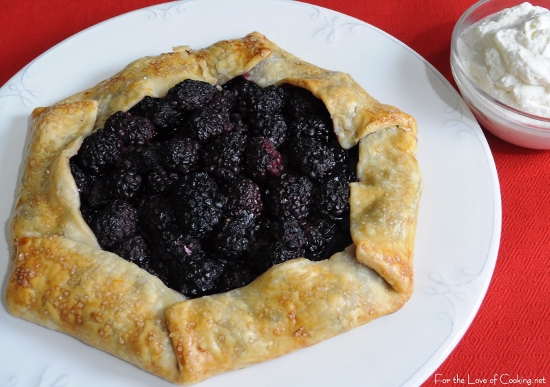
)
(63, 280)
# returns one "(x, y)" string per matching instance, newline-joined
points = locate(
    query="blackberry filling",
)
(209, 187)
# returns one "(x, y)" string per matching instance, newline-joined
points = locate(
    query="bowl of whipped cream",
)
(500, 60)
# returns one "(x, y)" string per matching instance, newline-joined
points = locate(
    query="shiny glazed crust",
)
(62, 279)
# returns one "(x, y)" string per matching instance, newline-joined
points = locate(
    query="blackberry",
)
(198, 204)
(346, 163)
(270, 126)
(176, 247)
(235, 275)
(180, 154)
(261, 258)
(244, 199)
(222, 156)
(251, 97)
(271, 99)
(290, 197)
(312, 126)
(144, 159)
(342, 239)
(200, 277)
(310, 157)
(117, 221)
(99, 195)
(239, 125)
(262, 160)
(82, 181)
(131, 131)
(318, 234)
(289, 233)
(348, 172)
(190, 94)
(246, 94)
(144, 107)
(88, 214)
(160, 181)
(207, 123)
(282, 241)
(234, 237)
(98, 152)
(301, 102)
(165, 119)
(133, 249)
(168, 156)
(341, 155)
(160, 269)
(267, 227)
(223, 100)
(124, 184)
(131, 161)
(155, 214)
(331, 199)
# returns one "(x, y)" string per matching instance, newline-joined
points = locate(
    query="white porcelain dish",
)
(460, 216)
(509, 124)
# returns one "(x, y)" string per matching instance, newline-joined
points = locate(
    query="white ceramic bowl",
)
(508, 123)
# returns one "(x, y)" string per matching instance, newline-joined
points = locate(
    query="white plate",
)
(460, 215)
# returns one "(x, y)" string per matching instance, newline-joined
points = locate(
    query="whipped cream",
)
(508, 55)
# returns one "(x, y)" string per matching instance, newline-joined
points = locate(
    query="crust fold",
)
(293, 305)
(62, 280)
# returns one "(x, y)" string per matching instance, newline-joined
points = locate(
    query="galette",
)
(205, 210)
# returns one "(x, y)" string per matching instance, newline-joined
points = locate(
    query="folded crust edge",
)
(296, 304)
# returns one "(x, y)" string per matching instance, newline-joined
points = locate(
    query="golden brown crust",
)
(154, 75)
(384, 205)
(62, 280)
(353, 111)
(89, 294)
(47, 202)
(293, 305)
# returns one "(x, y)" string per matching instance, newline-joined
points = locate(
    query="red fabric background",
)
(511, 332)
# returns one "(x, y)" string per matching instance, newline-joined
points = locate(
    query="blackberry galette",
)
(204, 210)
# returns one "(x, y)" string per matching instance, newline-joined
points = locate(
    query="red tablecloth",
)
(511, 332)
